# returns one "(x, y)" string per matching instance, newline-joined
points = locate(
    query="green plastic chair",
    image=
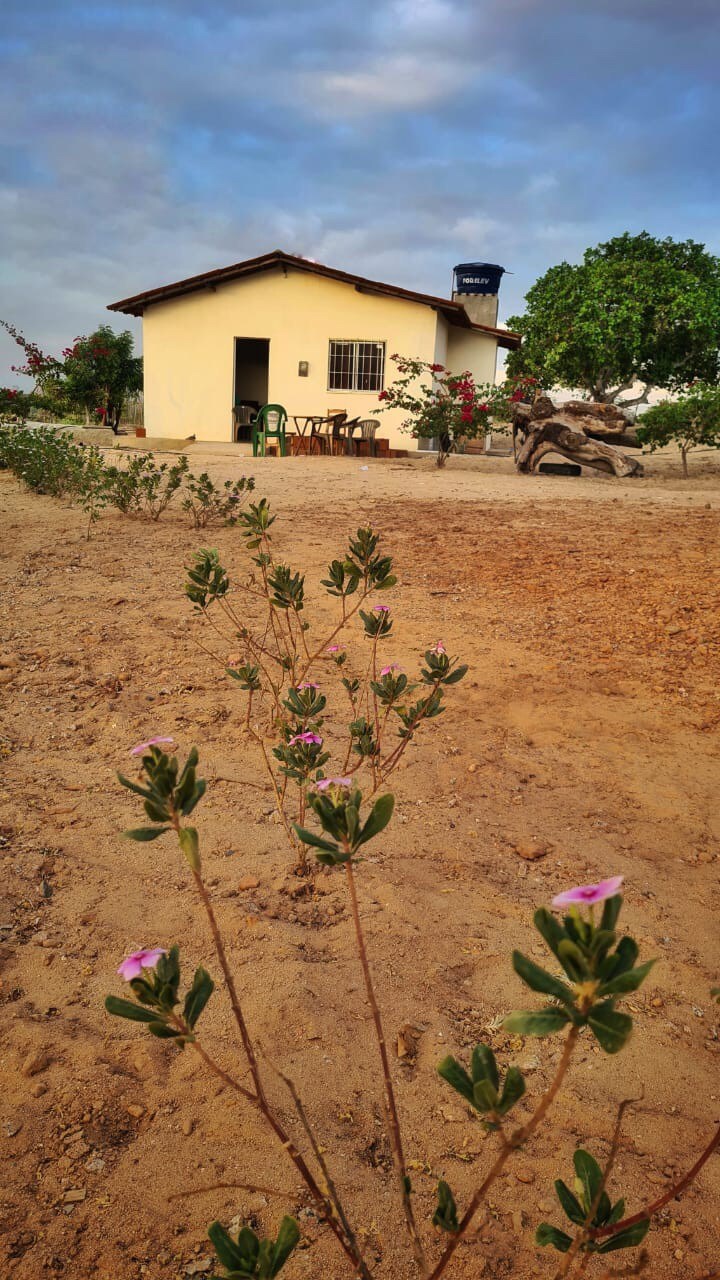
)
(270, 422)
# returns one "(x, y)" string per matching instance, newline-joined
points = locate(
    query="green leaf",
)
(611, 911)
(548, 927)
(120, 1008)
(544, 1022)
(144, 834)
(628, 981)
(589, 1174)
(156, 812)
(538, 980)
(190, 845)
(163, 1032)
(483, 1065)
(445, 1215)
(287, 1238)
(315, 842)
(546, 1234)
(240, 1256)
(133, 786)
(195, 798)
(610, 1027)
(456, 675)
(485, 1095)
(457, 1077)
(570, 1204)
(572, 960)
(198, 996)
(628, 1238)
(380, 815)
(513, 1090)
(616, 1212)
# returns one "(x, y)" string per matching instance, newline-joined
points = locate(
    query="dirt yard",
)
(587, 732)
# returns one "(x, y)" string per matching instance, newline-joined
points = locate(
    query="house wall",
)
(465, 350)
(189, 349)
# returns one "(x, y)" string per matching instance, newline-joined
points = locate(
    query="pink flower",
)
(310, 739)
(307, 684)
(588, 894)
(142, 747)
(387, 671)
(438, 648)
(381, 608)
(134, 964)
(325, 783)
(334, 648)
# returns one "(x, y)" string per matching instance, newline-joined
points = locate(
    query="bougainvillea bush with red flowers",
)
(449, 407)
(93, 376)
(15, 405)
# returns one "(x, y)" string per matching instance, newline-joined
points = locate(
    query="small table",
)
(304, 423)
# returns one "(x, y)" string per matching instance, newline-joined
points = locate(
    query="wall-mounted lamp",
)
(303, 368)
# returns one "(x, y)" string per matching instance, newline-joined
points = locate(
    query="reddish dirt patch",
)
(588, 724)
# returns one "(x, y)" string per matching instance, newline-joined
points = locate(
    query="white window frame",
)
(356, 343)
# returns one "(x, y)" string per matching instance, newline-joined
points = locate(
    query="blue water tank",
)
(478, 277)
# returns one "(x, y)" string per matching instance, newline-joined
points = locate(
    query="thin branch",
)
(238, 1186)
(583, 1235)
(390, 1104)
(675, 1190)
(317, 1152)
(260, 1101)
(516, 1140)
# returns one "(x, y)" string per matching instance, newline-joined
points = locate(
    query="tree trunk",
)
(584, 432)
(683, 456)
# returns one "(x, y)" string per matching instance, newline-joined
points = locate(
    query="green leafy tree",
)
(93, 377)
(691, 421)
(636, 310)
(99, 372)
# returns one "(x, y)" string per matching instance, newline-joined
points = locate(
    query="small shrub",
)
(295, 726)
(211, 504)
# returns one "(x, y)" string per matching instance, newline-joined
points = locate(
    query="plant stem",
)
(583, 1235)
(259, 1099)
(329, 1182)
(390, 1104)
(516, 1140)
(675, 1190)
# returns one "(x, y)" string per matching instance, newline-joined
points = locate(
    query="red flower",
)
(437, 368)
(517, 395)
(483, 408)
(384, 395)
(466, 414)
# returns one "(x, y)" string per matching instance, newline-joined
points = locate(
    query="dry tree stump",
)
(587, 433)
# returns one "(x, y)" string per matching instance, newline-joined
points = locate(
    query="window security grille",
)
(356, 366)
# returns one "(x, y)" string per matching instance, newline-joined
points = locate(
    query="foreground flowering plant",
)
(592, 967)
(291, 676)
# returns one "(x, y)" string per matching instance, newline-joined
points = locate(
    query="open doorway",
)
(250, 389)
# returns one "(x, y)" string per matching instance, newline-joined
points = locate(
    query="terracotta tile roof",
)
(454, 312)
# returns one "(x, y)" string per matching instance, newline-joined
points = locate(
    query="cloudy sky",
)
(145, 140)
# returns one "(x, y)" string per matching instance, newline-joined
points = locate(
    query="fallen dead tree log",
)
(584, 432)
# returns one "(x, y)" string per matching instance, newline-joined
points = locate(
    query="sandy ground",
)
(588, 724)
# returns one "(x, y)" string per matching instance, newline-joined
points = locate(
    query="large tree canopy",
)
(636, 310)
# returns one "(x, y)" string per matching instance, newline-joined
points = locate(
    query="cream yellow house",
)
(285, 330)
